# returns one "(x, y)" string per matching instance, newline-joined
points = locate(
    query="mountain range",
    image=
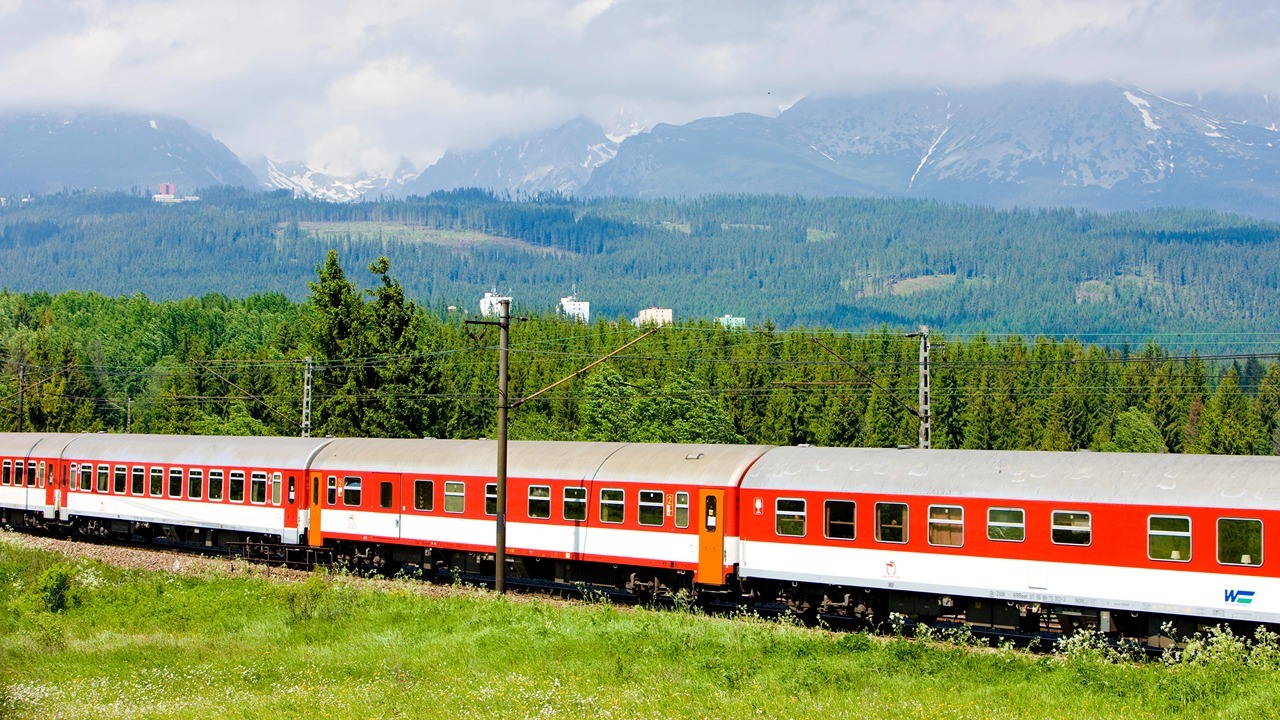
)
(1104, 146)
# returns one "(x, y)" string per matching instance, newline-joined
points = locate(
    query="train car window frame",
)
(175, 482)
(40, 475)
(575, 504)
(613, 503)
(1246, 559)
(73, 474)
(235, 486)
(651, 508)
(352, 491)
(540, 502)
(942, 527)
(86, 477)
(424, 495)
(1006, 525)
(217, 481)
(792, 520)
(104, 478)
(120, 480)
(386, 494)
(19, 473)
(846, 521)
(31, 472)
(891, 521)
(491, 499)
(155, 481)
(6, 472)
(277, 483)
(1060, 533)
(1169, 543)
(257, 488)
(195, 484)
(455, 497)
(331, 491)
(137, 480)
(682, 509)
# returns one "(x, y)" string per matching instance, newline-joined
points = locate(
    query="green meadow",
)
(83, 639)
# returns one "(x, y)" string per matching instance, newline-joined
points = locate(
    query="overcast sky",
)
(361, 84)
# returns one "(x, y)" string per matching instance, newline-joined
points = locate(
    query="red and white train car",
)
(995, 533)
(646, 516)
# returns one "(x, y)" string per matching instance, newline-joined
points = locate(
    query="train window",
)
(195, 484)
(455, 497)
(235, 486)
(257, 487)
(540, 501)
(6, 473)
(946, 525)
(1006, 524)
(652, 504)
(789, 517)
(137, 481)
(709, 514)
(175, 482)
(120, 479)
(104, 474)
(315, 491)
(275, 488)
(86, 477)
(1072, 528)
(1239, 541)
(385, 494)
(575, 504)
(424, 495)
(682, 509)
(40, 476)
(157, 481)
(612, 506)
(1169, 538)
(491, 499)
(351, 487)
(839, 517)
(331, 493)
(71, 480)
(31, 473)
(891, 522)
(215, 484)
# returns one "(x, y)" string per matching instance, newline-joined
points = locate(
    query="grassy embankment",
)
(82, 639)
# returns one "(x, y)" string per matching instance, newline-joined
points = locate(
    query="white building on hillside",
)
(489, 303)
(577, 309)
(653, 316)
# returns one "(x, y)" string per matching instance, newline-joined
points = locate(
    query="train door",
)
(710, 537)
(314, 536)
(53, 493)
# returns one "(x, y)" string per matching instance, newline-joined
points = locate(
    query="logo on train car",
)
(1239, 597)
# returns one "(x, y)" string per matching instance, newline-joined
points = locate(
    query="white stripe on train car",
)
(1227, 596)
(22, 498)
(225, 516)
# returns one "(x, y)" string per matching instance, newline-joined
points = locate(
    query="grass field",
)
(81, 639)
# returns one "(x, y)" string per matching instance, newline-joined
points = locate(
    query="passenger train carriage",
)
(1009, 540)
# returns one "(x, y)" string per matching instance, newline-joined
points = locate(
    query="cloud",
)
(347, 84)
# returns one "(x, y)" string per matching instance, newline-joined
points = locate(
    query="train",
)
(1130, 545)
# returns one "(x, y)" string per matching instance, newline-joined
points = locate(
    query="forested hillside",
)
(386, 366)
(839, 262)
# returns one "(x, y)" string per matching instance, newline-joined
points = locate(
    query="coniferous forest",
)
(123, 315)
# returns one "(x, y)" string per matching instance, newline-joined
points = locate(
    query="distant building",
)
(166, 193)
(732, 323)
(577, 309)
(653, 316)
(166, 189)
(489, 303)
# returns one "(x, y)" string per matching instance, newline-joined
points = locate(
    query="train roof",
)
(1146, 479)
(712, 465)
(35, 444)
(203, 450)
